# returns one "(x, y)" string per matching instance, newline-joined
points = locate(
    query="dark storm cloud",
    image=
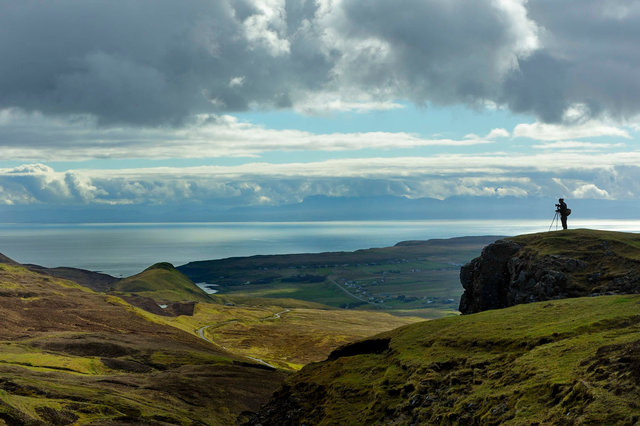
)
(442, 51)
(146, 62)
(151, 62)
(589, 55)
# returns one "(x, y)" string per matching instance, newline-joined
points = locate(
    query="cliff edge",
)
(551, 265)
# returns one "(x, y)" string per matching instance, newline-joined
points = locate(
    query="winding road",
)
(275, 316)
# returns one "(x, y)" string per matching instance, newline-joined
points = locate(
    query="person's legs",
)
(564, 222)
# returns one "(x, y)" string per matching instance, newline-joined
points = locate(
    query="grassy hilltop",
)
(551, 265)
(162, 282)
(607, 261)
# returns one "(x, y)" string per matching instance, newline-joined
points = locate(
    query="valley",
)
(85, 348)
(331, 338)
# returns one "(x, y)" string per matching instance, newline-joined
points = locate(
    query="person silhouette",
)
(564, 212)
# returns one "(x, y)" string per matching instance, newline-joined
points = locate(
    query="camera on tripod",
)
(558, 208)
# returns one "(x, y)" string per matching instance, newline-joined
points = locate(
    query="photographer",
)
(561, 208)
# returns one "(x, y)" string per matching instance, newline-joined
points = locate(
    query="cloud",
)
(590, 190)
(207, 136)
(493, 134)
(611, 176)
(498, 133)
(154, 62)
(162, 62)
(560, 132)
(587, 55)
(577, 146)
(439, 51)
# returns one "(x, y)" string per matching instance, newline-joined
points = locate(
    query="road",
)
(347, 292)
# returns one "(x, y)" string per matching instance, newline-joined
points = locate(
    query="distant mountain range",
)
(321, 208)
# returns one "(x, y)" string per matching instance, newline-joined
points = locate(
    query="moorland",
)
(330, 338)
(82, 347)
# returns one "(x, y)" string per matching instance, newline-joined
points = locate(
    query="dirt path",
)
(201, 331)
(276, 315)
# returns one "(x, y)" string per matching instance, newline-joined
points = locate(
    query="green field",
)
(411, 278)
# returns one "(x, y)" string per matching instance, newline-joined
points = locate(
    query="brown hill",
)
(68, 354)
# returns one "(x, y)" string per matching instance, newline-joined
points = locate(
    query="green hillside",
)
(569, 361)
(69, 355)
(162, 282)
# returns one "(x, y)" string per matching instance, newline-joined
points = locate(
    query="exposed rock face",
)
(485, 279)
(509, 273)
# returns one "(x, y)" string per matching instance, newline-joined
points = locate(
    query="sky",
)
(267, 102)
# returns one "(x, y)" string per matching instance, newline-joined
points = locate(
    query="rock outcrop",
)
(540, 267)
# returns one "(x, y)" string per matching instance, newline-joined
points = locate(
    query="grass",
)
(28, 356)
(285, 336)
(569, 361)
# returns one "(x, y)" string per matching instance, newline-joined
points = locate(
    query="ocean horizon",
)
(124, 249)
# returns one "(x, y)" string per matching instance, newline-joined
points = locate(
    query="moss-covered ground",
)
(572, 361)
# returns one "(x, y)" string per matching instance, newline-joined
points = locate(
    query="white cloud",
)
(577, 146)
(560, 132)
(608, 176)
(493, 134)
(208, 137)
(498, 133)
(327, 103)
(589, 190)
(267, 28)
(236, 82)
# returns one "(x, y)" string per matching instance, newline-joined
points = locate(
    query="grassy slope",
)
(305, 332)
(70, 354)
(285, 336)
(561, 362)
(162, 282)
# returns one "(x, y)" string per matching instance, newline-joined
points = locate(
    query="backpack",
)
(568, 212)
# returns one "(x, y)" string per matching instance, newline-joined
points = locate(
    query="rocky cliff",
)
(552, 265)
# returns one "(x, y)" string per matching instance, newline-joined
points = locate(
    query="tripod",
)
(555, 219)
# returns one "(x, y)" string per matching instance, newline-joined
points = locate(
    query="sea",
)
(124, 249)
